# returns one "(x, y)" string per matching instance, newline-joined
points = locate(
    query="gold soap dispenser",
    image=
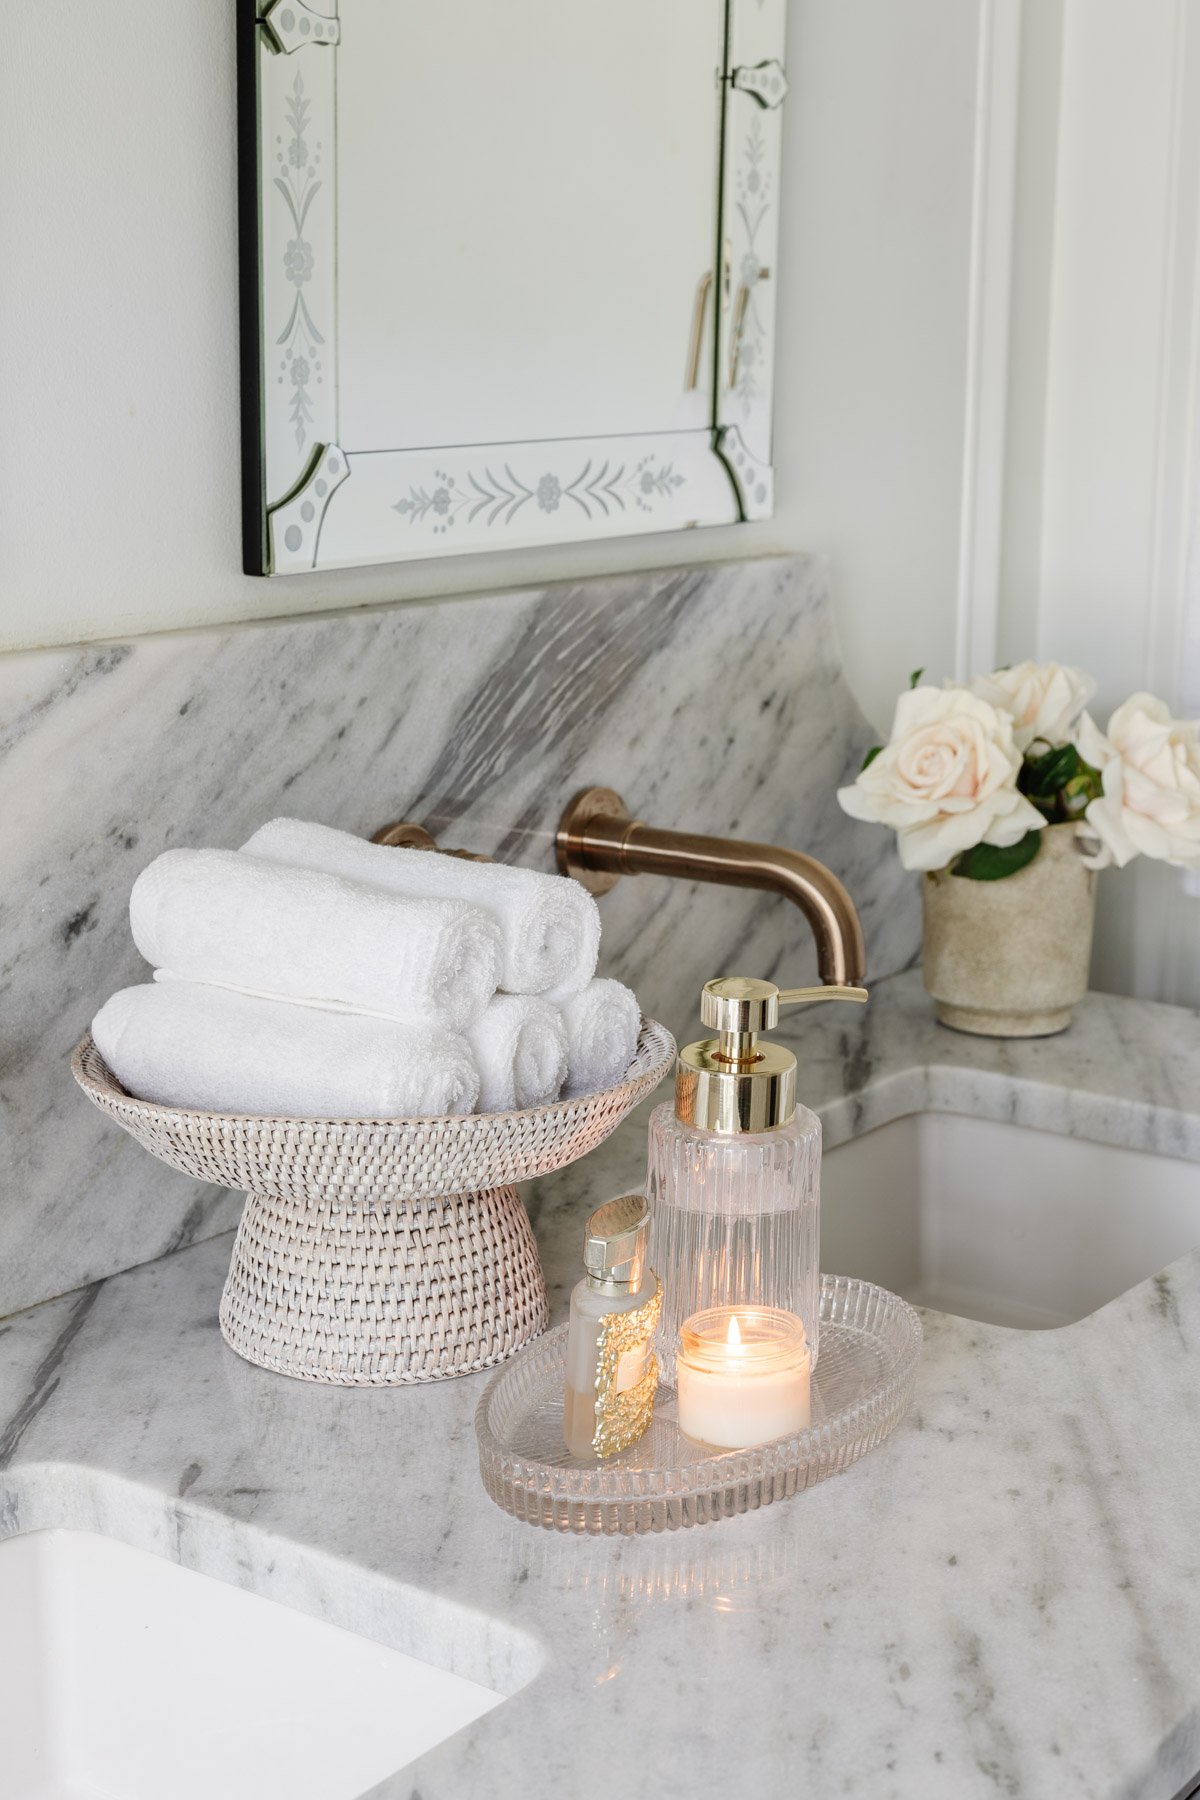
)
(735, 1163)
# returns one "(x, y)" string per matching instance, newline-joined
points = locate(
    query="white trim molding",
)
(997, 107)
(1168, 955)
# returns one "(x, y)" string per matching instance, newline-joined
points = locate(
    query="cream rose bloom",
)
(1150, 767)
(1044, 699)
(946, 780)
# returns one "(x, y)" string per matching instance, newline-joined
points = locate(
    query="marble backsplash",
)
(711, 698)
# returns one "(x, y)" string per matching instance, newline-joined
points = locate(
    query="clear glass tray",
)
(862, 1387)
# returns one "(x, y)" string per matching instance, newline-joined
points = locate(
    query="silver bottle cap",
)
(614, 1242)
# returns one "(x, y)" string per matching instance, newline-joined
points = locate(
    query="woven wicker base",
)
(375, 1252)
(406, 1290)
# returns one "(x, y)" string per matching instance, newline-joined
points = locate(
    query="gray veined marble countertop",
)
(1004, 1599)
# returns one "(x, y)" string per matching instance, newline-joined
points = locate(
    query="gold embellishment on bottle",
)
(623, 1412)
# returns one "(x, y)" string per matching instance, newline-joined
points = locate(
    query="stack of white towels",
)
(312, 974)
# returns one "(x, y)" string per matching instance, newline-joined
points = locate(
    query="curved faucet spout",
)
(598, 842)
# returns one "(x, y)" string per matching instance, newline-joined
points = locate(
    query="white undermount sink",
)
(126, 1677)
(1000, 1223)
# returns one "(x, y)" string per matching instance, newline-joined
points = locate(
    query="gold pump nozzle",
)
(733, 1083)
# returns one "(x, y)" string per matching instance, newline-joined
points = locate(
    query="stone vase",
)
(1010, 958)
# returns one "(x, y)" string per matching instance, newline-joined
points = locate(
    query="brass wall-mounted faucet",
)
(597, 842)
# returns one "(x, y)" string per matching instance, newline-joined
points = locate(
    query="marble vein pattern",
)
(1003, 1600)
(712, 698)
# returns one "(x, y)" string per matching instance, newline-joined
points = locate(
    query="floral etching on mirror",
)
(597, 491)
(297, 160)
(754, 198)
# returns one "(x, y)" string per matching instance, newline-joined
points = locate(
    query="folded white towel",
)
(602, 1032)
(298, 934)
(520, 1050)
(550, 926)
(189, 1045)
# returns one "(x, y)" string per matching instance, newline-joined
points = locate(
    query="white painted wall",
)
(1105, 344)
(871, 372)
(118, 316)
(1102, 460)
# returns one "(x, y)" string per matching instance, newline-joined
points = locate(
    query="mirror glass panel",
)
(522, 260)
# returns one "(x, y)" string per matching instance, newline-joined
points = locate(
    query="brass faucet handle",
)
(811, 995)
(404, 835)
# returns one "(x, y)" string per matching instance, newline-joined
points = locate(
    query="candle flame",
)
(733, 1336)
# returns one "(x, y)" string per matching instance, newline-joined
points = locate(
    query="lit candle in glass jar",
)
(742, 1375)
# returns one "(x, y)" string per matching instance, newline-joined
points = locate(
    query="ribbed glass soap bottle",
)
(734, 1173)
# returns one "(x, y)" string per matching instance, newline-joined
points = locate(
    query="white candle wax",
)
(742, 1377)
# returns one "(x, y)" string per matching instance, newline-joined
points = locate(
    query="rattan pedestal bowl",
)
(374, 1252)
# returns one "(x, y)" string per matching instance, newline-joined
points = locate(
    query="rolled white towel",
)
(298, 934)
(520, 1050)
(550, 926)
(189, 1045)
(602, 1032)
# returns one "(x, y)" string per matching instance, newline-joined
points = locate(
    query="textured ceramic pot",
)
(1010, 958)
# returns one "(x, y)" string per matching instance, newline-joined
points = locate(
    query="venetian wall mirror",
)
(508, 272)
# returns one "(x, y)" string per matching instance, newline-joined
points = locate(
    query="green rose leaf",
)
(915, 677)
(1058, 782)
(869, 758)
(988, 862)
(1043, 777)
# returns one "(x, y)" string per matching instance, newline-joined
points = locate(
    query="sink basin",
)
(126, 1677)
(999, 1223)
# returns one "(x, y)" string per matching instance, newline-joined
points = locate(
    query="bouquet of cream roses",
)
(971, 776)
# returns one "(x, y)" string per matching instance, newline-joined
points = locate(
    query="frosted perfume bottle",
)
(735, 1167)
(612, 1373)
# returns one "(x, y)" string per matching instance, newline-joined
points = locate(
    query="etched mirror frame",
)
(312, 502)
